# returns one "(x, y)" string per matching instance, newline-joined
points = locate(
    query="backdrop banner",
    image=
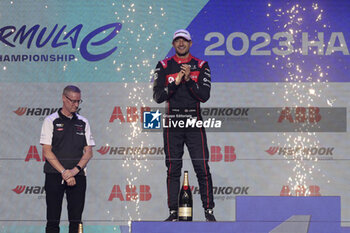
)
(288, 56)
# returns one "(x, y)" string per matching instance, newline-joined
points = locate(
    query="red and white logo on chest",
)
(171, 77)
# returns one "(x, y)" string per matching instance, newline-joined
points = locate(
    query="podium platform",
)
(264, 214)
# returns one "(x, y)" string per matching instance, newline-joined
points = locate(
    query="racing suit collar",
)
(182, 60)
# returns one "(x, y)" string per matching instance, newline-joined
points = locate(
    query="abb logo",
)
(216, 155)
(301, 190)
(132, 115)
(131, 193)
(33, 154)
(301, 115)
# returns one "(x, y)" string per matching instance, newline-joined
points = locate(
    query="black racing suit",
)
(186, 95)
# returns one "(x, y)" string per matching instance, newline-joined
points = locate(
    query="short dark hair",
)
(71, 88)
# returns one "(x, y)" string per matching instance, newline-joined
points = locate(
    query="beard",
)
(182, 54)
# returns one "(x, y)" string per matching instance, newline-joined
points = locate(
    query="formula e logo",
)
(151, 120)
(40, 36)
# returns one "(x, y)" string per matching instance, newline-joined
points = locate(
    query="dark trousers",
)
(196, 142)
(54, 196)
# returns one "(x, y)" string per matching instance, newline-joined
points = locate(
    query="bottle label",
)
(185, 211)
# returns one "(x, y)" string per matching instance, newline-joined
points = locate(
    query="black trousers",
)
(54, 196)
(196, 142)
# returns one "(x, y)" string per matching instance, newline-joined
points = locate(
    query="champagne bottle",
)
(185, 201)
(80, 228)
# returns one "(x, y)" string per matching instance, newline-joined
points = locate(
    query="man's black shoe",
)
(209, 215)
(172, 217)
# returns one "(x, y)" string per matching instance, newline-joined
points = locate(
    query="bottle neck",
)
(186, 184)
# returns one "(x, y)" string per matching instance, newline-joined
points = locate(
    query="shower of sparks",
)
(298, 93)
(137, 164)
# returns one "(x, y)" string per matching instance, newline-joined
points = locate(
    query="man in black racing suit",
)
(184, 81)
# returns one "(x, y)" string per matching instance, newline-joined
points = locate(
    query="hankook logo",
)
(224, 192)
(313, 151)
(29, 190)
(40, 112)
(131, 150)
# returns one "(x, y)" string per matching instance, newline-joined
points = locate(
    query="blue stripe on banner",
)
(273, 41)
